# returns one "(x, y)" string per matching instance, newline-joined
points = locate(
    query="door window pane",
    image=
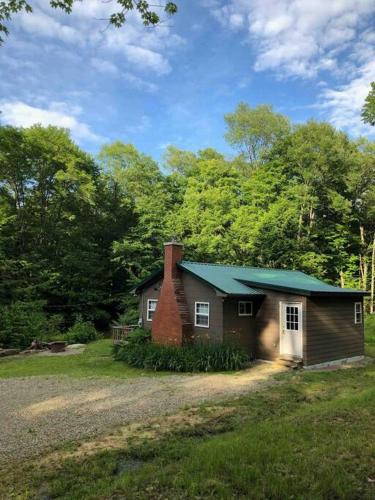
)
(292, 322)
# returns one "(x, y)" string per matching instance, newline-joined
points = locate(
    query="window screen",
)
(151, 307)
(202, 313)
(357, 313)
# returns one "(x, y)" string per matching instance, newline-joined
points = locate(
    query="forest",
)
(77, 231)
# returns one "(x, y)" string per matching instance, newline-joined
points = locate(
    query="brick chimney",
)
(171, 323)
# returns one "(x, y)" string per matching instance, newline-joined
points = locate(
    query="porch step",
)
(293, 362)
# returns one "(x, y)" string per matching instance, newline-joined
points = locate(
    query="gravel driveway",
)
(37, 413)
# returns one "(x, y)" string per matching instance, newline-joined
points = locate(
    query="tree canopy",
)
(368, 110)
(77, 232)
(148, 13)
(253, 131)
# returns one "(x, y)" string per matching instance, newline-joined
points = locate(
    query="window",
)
(245, 308)
(292, 322)
(151, 307)
(202, 314)
(358, 313)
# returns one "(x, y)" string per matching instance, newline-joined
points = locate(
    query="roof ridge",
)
(241, 267)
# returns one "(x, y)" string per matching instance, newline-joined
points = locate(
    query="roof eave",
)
(152, 278)
(192, 273)
(304, 292)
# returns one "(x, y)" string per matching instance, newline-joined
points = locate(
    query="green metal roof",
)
(238, 280)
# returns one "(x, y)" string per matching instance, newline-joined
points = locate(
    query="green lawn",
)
(370, 335)
(311, 436)
(96, 361)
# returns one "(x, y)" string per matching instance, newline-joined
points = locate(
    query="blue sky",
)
(173, 84)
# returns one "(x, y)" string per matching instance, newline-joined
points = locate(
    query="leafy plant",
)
(181, 359)
(139, 336)
(82, 332)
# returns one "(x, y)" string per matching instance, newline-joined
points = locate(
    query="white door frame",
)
(283, 331)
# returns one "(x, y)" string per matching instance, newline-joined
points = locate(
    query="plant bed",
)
(181, 359)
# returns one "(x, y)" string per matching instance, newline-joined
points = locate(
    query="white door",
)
(291, 329)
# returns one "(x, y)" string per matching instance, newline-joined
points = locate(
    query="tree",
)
(368, 110)
(316, 160)
(142, 188)
(58, 223)
(206, 215)
(118, 18)
(253, 131)
(361, 186)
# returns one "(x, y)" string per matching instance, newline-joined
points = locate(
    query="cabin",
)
(271, 313)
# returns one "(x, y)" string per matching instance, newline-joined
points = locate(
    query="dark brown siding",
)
(239, 330)
(152, 292)
(268, 323)
(197, 291)
(331, 331)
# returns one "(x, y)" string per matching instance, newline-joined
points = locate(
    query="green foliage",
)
(82, 332)
(254, 130)
(22, 322)
(130, 314)
(142, 187)
(118, 18)
(77, 233)
(208, 210)
(138, 336)
(59, 219)
(368, 110)
(181, 359)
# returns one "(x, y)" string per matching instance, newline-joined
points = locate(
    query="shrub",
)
(182, 359)
(130, 315)
(82, 332)
(139, 336)
(21, 323)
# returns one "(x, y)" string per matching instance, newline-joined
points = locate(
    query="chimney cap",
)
(175, 243)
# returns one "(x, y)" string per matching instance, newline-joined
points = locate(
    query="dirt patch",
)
(39, 413)
(121, 438)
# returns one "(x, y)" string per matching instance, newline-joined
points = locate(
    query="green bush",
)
(181, 359)
(82, 332)
(139, 336)
(21, 323)
(130, 315)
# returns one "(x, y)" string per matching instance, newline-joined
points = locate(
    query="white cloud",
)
(296, 37)
(87, 25)
(39, 23)
(139, 83)
(20, 114)
(107, 67)
(344, 104)
(146, 58)
(305, 38)
(104, 66)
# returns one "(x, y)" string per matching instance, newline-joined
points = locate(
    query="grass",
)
(95, 361)
(370, 335)
(311, 436)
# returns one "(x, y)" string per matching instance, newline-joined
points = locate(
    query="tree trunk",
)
(363, 259)
(372, 287)
(342, 279)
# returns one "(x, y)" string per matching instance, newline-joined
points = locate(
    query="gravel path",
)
(37, 413)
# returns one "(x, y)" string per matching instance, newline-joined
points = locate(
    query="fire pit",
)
(58, 346)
